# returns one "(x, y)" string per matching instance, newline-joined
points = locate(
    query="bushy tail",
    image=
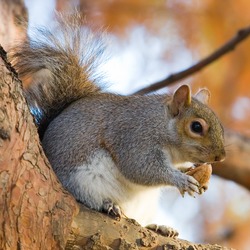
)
(61, 63)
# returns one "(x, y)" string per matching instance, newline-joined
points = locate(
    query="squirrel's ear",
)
(181, 98)
(203, 96)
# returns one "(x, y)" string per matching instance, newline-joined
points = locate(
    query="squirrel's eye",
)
(196, 127)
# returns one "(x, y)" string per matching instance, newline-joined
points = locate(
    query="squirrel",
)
(113, 153)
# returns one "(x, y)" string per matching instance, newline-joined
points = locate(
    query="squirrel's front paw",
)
(202, 174)
(188, 184)
(112, 209)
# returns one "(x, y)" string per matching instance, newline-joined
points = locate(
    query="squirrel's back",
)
(60, 63)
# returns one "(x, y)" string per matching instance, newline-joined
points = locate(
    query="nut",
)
(202, 174)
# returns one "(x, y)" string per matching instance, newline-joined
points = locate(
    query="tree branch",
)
(94, 230)
(230, 45)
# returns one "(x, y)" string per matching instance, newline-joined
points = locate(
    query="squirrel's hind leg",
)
(96, 184)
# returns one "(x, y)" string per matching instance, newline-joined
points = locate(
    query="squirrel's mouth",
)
(199, 162)
(202, 163)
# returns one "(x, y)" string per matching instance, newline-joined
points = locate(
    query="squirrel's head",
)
(200, 135)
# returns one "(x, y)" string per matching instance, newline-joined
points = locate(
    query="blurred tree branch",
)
(227, 47)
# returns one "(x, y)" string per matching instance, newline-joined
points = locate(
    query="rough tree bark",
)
(94, 230)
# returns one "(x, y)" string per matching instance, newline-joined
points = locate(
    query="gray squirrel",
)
(113, 153)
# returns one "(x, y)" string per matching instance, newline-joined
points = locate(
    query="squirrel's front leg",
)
(183, 182)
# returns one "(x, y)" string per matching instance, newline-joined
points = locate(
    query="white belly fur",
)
(100, 179)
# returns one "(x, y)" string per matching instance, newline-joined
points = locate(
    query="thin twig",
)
(230, 45)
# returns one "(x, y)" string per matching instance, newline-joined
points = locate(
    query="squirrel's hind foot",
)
(112, 209)
(163, 230)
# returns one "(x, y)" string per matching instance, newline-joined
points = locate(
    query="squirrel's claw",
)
(193, 186)
(203, 189)
(112, 209)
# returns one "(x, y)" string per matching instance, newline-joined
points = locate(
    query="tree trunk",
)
(35, 210)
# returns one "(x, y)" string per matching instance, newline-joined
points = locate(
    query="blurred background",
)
(149, 40)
